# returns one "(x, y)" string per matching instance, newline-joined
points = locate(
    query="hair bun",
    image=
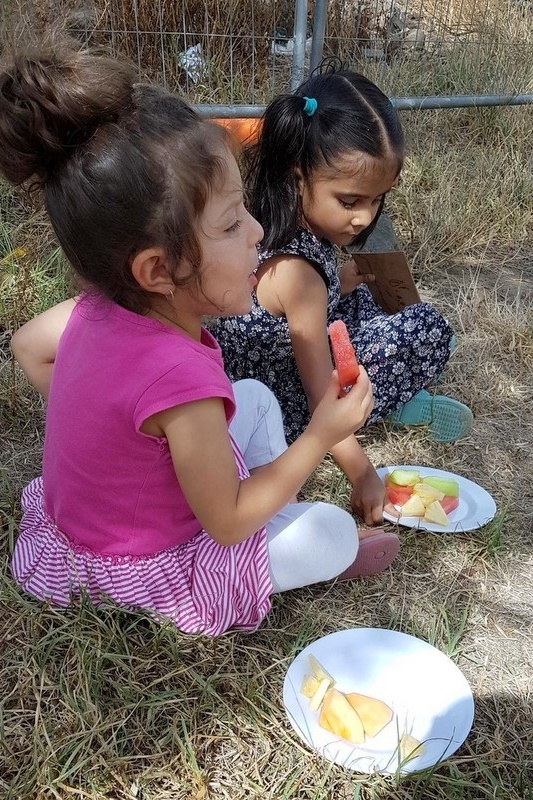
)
(53, 101)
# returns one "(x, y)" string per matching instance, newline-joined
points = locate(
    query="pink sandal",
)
(377, 551)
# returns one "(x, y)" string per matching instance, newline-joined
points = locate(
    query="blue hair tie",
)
(310, 106)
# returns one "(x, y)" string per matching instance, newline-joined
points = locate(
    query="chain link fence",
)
(230, 57)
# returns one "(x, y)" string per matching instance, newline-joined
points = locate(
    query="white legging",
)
(307, 542)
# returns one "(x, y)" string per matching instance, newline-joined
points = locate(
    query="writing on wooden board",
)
(394, 287)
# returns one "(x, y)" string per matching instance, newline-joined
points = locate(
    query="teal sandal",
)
(447, 419)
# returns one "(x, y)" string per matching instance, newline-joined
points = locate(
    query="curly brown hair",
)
(121, 166)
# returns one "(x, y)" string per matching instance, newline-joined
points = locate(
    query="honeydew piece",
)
(405, 477)
(319, 695)
(309, 686)
(447, 486)
(338, 717)
(409, 748)
(427, 492)
(435, 513)
(414, 507)
(318, 670)
(373, 713)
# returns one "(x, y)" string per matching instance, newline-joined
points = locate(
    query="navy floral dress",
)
(402, 353)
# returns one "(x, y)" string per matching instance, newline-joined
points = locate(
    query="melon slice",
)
(318, 670)
(435, 513)
(338, 717)
(409, 747)
(414, 507)
(405, 477)
(447, 486)
(374, 714)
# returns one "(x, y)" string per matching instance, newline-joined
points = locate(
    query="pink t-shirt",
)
(108, 486)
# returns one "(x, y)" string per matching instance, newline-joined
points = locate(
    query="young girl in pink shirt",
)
(164, 487)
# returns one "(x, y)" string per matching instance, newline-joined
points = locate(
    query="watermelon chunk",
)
(398, 495)
(449, 504)
(343, 354)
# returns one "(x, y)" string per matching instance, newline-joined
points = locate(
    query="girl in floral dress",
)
(327, 157)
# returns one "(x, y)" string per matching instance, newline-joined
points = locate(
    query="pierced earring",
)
(170, 295)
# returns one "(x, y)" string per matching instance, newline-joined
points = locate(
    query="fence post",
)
(319, 32)
(300, 35)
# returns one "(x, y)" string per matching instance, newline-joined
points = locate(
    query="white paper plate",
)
(476, 506)
(429, 695)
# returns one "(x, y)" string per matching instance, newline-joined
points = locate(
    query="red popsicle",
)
(343, 354)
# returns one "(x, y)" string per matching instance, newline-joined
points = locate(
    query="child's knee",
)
(250, 391)
(258, 424)
(338, 540)
(254, 398)
(314, 542)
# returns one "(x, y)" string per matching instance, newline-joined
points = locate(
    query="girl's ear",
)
(299, 180)
(150, 270)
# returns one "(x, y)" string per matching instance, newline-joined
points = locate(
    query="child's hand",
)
(335, 418)
(369, 498)
(350, 277)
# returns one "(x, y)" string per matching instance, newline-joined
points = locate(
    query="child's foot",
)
(377, 551)
(448, 419)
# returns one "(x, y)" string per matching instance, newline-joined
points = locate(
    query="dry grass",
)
(469, 46)
(105, 705)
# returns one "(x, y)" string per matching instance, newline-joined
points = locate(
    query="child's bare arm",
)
(304, 298)
(35, 344)
(229, 509)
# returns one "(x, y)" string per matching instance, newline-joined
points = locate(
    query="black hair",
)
(352, 115)
(121, 166)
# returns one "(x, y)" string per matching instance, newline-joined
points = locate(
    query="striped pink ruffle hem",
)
(200, 586)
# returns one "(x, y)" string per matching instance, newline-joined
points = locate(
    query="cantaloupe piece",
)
(338, 717)
(374, 714)
(409, 747)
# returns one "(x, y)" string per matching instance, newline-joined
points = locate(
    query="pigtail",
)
(50, 103)
(273, 194)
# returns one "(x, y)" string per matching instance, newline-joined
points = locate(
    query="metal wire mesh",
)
(230, 52)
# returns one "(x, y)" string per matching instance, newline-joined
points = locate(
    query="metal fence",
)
(229, 57)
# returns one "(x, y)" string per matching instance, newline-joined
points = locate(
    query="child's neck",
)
(306, 227)
(169, 317)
